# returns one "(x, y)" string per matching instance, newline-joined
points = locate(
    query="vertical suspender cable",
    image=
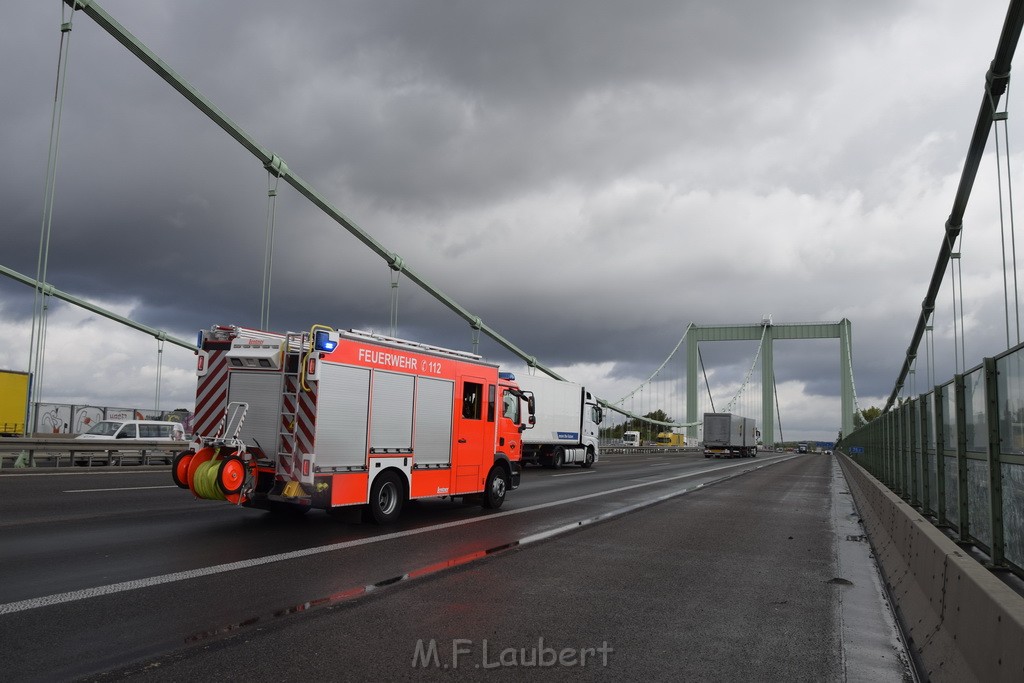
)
(268, 251)
(997, 118)
(956, 282)
(474, 337)
(930, 331)
(396, 264)
(159, 368)
(40, 302)
(1013, 231)
(395, 276)
(958, 274)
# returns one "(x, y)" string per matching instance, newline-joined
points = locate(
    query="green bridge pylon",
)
(754, 332)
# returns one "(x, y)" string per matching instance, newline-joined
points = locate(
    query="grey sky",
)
(588, 177)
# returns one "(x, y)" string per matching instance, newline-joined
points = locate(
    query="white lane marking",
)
(123, 488)
(574, 474)
(162, 472)
(73, 596)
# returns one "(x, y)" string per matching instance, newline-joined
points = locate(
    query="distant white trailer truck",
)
(566, 431)
(728, 435)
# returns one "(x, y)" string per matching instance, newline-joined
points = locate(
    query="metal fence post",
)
(913, 438)
(926, 483)
(940, 454)
(995, 469)
(961, 458)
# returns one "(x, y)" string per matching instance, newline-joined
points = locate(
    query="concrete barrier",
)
(961, 622)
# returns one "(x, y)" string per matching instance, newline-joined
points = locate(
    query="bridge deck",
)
(760, 577)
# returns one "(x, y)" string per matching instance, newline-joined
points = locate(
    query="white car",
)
(148, 430)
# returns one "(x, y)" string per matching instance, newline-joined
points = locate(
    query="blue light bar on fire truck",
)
(508, 376)
(325, 340)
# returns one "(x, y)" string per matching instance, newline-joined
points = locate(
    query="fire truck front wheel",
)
(386, 498)
(495, 488)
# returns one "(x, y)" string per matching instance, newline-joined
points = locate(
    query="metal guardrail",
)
(60, 451)
(649, 449)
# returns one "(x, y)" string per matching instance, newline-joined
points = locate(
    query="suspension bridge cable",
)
(778, 412)
(663, 364)
(739, 392)
(996, 79)
(270, 160)
(707, 384)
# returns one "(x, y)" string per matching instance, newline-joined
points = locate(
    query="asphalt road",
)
(120, 572)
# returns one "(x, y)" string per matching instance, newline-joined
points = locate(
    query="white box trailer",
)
(566, 431)
(729, 435)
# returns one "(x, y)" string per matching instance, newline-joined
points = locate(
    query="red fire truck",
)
(330, 418)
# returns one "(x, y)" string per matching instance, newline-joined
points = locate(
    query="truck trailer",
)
(730, 436)
(14, 392)
(567, 417)
(330, 419)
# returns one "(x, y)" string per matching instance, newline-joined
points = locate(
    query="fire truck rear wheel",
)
(179, 468)
(386, 498)
(495, 488)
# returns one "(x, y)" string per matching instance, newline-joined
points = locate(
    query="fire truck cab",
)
(329, 418)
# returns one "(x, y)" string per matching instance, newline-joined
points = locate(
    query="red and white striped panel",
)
(211, 395)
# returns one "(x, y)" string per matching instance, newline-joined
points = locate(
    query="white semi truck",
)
(566, 431)
(729, 435)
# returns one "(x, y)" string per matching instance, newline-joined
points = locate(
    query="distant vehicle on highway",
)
(730, 436)
(631, 439)
(147, 430)
(671, 439)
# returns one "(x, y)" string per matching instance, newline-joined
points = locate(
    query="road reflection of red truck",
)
(329, 419)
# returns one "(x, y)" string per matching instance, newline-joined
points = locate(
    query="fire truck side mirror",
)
(528, 424)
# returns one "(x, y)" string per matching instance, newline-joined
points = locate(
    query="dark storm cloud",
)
(543, 163)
